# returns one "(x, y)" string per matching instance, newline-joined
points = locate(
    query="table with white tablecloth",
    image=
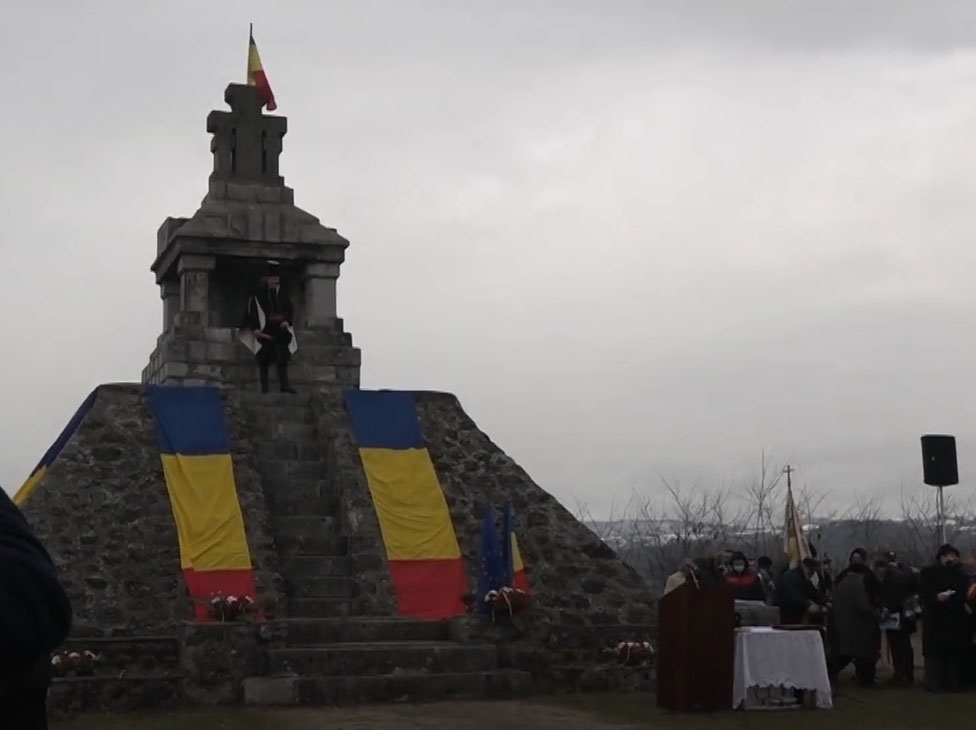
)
(769, 658)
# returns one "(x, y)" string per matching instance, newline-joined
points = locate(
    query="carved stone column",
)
(169, 292)
(320, 292)
(194, 272)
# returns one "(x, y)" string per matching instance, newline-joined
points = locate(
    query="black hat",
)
(946, 550)
(272, 268)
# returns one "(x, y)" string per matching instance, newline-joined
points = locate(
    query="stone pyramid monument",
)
(331, 630)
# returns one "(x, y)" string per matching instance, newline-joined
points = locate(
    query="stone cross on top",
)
(246, 144)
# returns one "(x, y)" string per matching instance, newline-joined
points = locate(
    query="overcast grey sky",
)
(638, 239)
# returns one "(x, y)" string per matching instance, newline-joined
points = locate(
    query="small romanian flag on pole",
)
(256, 76)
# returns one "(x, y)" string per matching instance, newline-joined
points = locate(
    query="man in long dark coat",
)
(856, 619)
(35, 617)
(267, 328)
(946, 637)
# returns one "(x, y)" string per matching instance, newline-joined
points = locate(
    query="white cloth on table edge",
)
(771, 658)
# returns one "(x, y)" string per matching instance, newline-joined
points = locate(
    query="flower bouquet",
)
(508, 601)
(76, 663)
(633, 653)
(230, 608)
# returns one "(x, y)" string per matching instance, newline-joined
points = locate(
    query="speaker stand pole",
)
(940, 512)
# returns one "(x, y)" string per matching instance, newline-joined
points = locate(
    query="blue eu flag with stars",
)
(491, 571)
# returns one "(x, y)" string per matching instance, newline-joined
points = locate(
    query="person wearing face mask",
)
(946, 637)
(745, 582)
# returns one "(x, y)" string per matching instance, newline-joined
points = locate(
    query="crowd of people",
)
(869, 598)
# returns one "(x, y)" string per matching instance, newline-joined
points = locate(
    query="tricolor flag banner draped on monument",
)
(194, 447)
(794, 544)
(40, 471)
(514, 566)
(256, 76)
(422, 549)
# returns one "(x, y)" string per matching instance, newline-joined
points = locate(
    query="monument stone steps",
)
(180, 337)
(305, 631)
(363, 658)
(281, 449)
(300, 372)
(322, 543)
(319, 587)
(296, 500)
(277, 413)
(117, 693)
(285, 431)
(288, 470)
(325, 607)
(306, 527)
(310, 566)
(396, 686)
(302, 375)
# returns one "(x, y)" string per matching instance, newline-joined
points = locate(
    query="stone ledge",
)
(329, 631)
(399, 687)
(383, 657)
(216, 657)
(602, 678)
(104, 694)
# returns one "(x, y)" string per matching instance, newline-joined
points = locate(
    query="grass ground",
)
(853, 710)
(217, 719)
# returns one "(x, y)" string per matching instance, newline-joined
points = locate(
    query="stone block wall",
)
(582, 592)
(194, 354)
(104, 515)
(216, 658)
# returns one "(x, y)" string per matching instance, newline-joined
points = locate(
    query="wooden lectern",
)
(696, 648)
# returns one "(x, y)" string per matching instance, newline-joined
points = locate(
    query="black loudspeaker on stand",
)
(940, 469)
(939, 460)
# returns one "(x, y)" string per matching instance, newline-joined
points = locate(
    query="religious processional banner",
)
(194, 446)
(40, 471)
(421, 547)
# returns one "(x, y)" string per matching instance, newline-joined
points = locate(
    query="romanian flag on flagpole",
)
(256, 76)
(515, 575)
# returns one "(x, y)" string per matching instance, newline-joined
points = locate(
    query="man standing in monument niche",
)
(267, 328)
